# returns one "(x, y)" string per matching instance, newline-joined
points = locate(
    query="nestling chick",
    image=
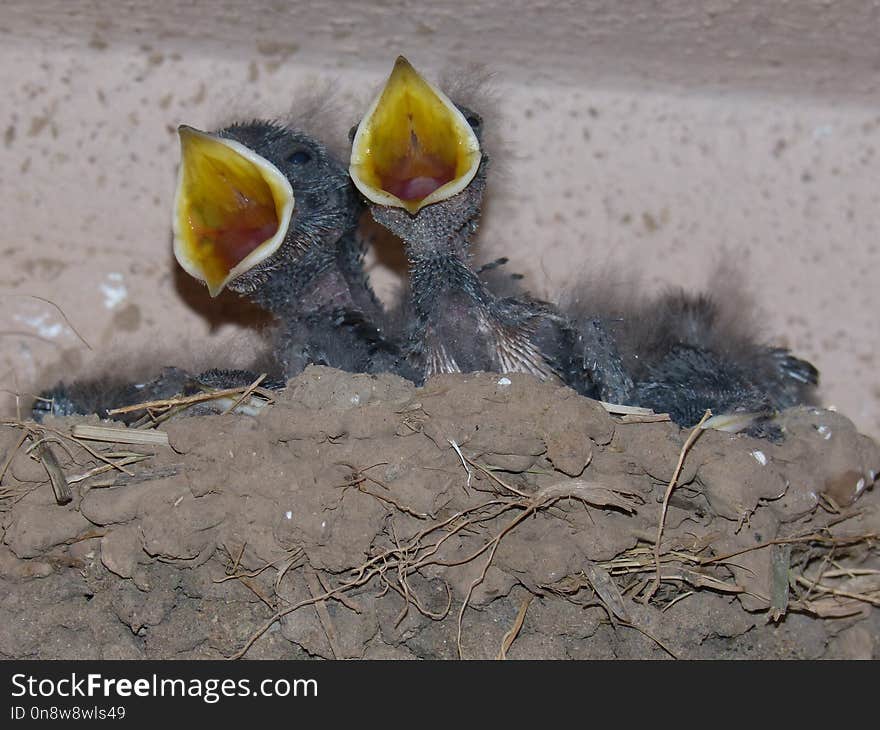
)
(686, 353)
(267, 211)
(102, 394)
(417, 159)
(686, 359)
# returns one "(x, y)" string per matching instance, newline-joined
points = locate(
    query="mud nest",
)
(479, 516)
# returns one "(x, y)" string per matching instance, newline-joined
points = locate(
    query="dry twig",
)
(692, 437)
(511, 635)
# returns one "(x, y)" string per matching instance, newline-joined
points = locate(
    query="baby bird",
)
(101, 394)
(417, 159)
(267, 211)
(687, 355)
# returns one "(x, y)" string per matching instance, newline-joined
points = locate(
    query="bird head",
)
(416, 158)
(253, 198)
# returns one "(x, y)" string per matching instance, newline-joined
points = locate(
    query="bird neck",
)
(315, 280)
(438, 230)
(439, 273)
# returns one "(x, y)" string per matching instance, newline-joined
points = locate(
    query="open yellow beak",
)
(232, 208)
(413, 147)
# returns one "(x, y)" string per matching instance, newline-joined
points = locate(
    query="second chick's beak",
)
(413, 147)
(232, 208)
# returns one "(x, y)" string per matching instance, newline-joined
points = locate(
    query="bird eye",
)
(474, 121)
(300, 157)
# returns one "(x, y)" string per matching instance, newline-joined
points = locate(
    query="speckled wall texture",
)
(665, 136)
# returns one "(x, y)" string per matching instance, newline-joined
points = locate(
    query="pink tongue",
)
(416, 188)
(234, 244)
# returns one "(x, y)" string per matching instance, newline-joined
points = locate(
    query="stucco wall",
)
(663, 134)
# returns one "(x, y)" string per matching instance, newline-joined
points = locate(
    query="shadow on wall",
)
(227, 308)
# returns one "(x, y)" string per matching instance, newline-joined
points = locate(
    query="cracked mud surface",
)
(360, 516)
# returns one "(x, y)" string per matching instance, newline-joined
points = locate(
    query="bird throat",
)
(417, 173)
(226, 238)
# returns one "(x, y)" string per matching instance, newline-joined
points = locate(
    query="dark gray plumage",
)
(686, 357)
(686, 353)
(458, 325)
(100, 395)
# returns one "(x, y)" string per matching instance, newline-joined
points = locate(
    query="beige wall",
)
(664, 134)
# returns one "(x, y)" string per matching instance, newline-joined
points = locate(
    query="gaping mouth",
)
(232, 208)
(413, 146)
